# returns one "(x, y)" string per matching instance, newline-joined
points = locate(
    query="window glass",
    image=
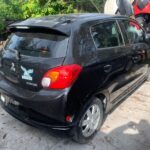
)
(38, 44)
(106, 35)
(134, 32)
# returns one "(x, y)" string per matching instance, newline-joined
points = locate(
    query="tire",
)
(94, 111)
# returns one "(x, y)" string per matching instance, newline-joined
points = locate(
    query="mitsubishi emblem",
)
(13, 67)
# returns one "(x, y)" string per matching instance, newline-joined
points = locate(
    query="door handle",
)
(137, 59)
(107, 68)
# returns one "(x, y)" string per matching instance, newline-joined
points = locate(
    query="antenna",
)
(94, 5)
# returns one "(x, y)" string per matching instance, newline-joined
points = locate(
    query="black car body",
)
(107, 58)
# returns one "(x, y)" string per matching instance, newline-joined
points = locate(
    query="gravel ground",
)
(126, 128)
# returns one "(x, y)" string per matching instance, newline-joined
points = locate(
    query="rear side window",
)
(38, 44)
(106, 34)
(135, 33)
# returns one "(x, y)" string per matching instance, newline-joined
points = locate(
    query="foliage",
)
(23, 9)
(42, 7)
(9, 10)
(89, 5)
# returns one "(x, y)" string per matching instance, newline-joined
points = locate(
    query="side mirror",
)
(147, 37)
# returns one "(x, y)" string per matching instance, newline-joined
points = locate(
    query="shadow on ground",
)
(117, 133)
(16, 135)
(131, 136)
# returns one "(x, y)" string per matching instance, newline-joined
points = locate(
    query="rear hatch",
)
(28, 54)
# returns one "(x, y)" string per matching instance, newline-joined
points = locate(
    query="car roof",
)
(62, 23)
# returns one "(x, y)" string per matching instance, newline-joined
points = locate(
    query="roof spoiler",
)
(22, 28)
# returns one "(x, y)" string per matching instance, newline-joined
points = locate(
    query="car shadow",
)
(131, 136)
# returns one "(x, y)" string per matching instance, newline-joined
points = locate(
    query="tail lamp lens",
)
(61, 77)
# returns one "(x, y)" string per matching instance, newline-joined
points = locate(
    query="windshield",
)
(38, 44)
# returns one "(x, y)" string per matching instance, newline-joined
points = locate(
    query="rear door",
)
(28, 55)
(111, 57)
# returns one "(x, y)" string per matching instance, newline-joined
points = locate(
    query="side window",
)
(134, 32)
(106, 35)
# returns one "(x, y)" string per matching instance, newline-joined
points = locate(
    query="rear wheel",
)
(90, 121)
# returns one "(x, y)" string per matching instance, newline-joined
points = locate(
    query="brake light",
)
(61, 77)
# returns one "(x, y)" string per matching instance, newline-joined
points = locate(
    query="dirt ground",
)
(126, 128)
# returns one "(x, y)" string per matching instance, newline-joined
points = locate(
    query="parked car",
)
(67, 72)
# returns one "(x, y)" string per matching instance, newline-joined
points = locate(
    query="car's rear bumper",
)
(34, 119)
(43, 108)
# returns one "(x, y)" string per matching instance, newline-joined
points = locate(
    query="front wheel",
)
(90, 121)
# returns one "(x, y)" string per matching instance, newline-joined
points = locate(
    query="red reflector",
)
(61, 77)
(68, 118)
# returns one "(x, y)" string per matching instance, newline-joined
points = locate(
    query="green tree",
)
(23, 9)
(9, 10)
(88, 5)
(33, 8)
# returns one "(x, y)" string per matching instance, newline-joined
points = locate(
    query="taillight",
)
(61, 77)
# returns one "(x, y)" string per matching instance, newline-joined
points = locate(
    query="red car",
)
(142, 12)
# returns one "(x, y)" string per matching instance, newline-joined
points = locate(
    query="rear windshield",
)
(38, 44)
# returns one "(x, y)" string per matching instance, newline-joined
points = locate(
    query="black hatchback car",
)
(67, 72)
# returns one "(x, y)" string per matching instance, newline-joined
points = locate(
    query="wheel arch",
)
(104, 97)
